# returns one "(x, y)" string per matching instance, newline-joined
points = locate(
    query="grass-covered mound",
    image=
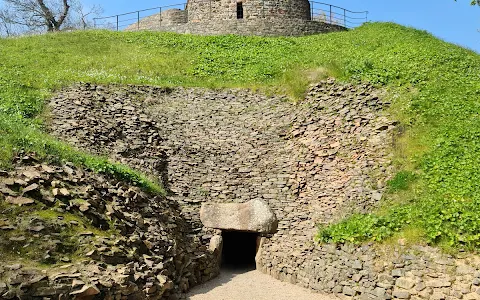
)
(434, 88)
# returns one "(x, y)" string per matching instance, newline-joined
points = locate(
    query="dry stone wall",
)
(312, 162)
(215, 10)
(369, 272)
(261, 27)
(309, 161)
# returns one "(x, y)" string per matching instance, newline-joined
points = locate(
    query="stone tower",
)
(201, 10)
(243, 17)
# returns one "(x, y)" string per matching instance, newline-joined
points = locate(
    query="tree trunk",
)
(50, 21)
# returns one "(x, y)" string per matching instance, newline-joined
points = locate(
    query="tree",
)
(35, 16)
(473, 2)
(5, 27)
(85, 14)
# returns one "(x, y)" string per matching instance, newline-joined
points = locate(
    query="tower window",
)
(239, 10)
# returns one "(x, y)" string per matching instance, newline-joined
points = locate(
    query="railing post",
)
(330, 14)
(345, 18)
(311, 11)
(160, 16)
(138, 20)
(95, 23)
(366, 16)
(117, 23)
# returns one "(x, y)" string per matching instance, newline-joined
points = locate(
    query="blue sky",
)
(456, 22)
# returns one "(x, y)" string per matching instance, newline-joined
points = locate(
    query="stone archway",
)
(242, 226)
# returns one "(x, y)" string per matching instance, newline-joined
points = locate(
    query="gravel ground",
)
(251, 285)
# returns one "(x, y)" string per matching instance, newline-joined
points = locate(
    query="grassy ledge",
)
(21, 133)
(434, 88)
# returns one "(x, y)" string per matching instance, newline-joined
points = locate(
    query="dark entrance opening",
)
(239, 250)
(239, 10)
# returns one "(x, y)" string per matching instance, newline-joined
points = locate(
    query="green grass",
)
(434, 87)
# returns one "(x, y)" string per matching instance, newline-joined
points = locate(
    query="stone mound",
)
(313, 161)
(98, 236)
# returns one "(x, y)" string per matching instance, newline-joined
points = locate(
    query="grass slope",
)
(434, 86)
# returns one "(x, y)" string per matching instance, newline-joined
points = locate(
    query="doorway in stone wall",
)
(239, 10)
(239, 250)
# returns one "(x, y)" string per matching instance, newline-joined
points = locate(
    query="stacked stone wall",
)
(173, 16)
(216, 10)
(168, 18)
(140, 246)
(373, 272)
(312, 162)
(261, 27)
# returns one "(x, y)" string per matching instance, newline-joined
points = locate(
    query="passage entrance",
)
(239, 250)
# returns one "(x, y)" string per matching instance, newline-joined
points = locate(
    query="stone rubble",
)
(139, 247)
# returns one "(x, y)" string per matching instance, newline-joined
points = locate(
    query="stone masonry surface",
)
(261, 27)
(313, 162)
(214, 10)
(152, 254)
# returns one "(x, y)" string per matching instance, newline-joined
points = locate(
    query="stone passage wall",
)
(366, 272)
(262, 27)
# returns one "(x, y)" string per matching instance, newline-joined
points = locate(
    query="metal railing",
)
(336, 15)
(122, 21)
(320, 11)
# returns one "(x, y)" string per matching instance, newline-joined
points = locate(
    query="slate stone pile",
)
(100, 236)
(110, 121)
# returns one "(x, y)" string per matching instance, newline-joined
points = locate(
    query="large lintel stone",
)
(252, 216)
